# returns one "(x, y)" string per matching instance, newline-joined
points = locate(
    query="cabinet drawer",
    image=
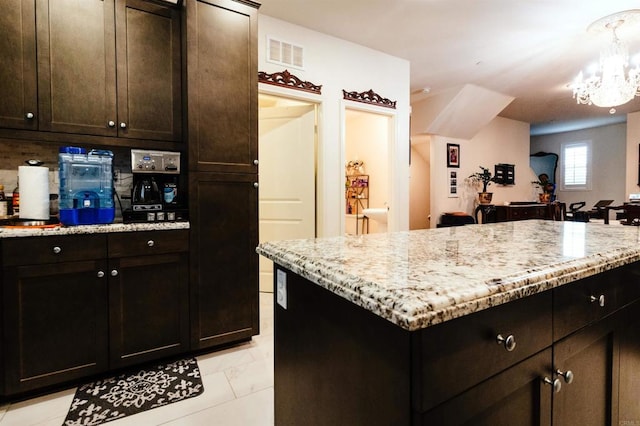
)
(56, 249)
(148, 243)
(451, 357)
(579, 304)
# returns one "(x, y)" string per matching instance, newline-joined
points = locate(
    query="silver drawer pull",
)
(568, 375)
(599, 299)
(57, 250)
(111, 123)
(255, 162)
(29, 115)
(509, 342)
(114, 272)
(100, 274)
(151, 243)
(556, 384)
(123, 125)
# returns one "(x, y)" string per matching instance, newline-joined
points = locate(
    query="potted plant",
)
(548, 188)
(484, 177)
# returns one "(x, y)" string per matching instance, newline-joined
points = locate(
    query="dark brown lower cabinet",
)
(514, 397)
(589, 355)
(337, 361)
(148, 296)
(223, 260)
(78, 305)
(55, 323)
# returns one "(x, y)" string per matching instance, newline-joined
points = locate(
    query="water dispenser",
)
(86, 186)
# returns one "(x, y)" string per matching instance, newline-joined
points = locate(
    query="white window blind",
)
(576, 162)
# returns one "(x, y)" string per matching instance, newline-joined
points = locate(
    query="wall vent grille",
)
(284, 53)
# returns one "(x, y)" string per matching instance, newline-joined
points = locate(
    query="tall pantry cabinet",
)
(222, 128)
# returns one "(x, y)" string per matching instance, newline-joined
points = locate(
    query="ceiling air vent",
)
(283, 53)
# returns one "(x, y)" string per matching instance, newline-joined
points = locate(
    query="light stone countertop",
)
(420, 278)
(11, 232)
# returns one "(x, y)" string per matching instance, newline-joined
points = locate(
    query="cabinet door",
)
(517, 396)
(55, 323)
(148, 70)
(629, 377)
(224, 263)
(222, 86)
(76, 66)
(589, 355)
(18, 83)
(148, 307)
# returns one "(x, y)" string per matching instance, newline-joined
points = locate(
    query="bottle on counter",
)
(15, 200)
(3, 203)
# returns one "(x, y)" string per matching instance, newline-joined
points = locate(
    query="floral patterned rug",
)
(116, 397)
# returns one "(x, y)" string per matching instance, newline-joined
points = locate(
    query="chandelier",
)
(610, 84)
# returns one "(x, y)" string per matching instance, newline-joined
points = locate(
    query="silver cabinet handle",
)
(255, 184)
(100, 274)
(599, 299)
(555, 383)
(150, 243)
(255, 162)
(509, 342)
(114, 272)
(568, 375)
(111, 123)
(123, 125)
(57, 250)
(29, 115)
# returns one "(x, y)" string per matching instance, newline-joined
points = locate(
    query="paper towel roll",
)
(34, 192)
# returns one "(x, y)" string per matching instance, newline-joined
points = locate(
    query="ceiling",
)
(528, 49)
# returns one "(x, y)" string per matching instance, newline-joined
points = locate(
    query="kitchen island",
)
(531, 322)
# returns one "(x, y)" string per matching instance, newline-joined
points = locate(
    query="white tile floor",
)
(238, 385)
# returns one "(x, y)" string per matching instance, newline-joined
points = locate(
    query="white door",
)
(286, 151)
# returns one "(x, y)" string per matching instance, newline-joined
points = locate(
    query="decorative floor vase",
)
(485, 197)
(544, 197)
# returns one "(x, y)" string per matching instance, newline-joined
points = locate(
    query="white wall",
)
(366, 140)
(609, 149)
(420, 187)
(501, 141)
(632, 154)
(336, 65)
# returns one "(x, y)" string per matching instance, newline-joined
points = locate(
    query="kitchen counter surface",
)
(421, 278)
(32, 231)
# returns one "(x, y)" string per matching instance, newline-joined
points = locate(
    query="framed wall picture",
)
(453, 155)
(452, 180)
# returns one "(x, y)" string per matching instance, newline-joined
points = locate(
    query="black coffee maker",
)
(156, 194)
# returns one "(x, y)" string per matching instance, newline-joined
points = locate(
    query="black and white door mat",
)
(131, 393)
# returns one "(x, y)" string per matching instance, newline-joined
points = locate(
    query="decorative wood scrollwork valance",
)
(286, 79)
(369, 97)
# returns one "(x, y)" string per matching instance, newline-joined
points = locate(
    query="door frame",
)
(392, 136)
(265, 89)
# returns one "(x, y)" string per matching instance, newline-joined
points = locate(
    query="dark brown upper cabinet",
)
(223, 105)
(103, 67)
(148, 71)
(18, 81)
(76, 66)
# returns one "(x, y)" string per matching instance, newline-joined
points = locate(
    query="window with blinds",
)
(576, 166)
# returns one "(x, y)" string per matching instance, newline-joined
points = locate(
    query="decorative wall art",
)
(453, 155)
(452, 179)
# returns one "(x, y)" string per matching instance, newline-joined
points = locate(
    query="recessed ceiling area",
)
(527, 49)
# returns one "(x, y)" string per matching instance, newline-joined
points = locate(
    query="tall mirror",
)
(544, 162)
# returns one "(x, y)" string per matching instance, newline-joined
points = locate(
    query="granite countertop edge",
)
(388, 303)
(9, 232)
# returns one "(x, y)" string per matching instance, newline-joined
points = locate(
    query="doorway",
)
(287, 140)
(368, 138)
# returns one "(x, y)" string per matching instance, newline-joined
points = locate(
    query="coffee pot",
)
(146, 191)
